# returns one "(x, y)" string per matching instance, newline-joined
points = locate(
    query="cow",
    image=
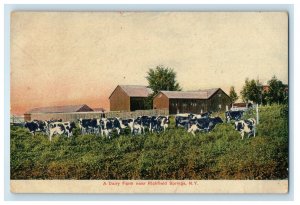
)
(37, 126)
(89, 126)
(126, 123)
(183, 120)
(205, 124)
(136, 126)
(143, 123)
(61, 128)
(233, 115)
(106, 127)
(246, 126)
(163, 123)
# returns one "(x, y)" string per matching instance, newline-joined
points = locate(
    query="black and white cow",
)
(126, 123)
(183, 120)
(205, 124)
(233, 115)
(143, 123)
(162, 123)
(89, 126)
(246, 126)
(61, 128)
(108, 125)
(37, 126)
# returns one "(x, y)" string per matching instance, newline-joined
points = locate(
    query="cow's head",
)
(239, 125)
(168, 119)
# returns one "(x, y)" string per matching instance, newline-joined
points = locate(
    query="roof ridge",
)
(56, 108)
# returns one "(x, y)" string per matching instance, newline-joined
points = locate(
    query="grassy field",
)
(175, 154)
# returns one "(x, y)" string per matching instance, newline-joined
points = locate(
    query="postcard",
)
(149, 102)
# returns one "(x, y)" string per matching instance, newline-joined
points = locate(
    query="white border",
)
(182, 197)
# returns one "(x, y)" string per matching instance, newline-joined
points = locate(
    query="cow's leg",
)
(50, 136)
(242, 134)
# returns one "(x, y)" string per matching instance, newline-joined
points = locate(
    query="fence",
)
(88, 115)
(16, 119)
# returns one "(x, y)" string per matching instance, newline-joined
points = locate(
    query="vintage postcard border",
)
(261, 184)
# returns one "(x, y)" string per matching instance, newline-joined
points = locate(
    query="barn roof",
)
(199, 94)
(61, 109)
(135, 90)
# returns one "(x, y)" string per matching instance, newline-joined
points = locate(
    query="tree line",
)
(275, 92)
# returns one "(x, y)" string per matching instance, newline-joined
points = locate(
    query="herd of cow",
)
(106, 126)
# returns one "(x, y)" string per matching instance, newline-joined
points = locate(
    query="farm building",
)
(192, 101)
(129, 98)
(48, 112)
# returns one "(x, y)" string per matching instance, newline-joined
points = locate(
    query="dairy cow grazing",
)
(183, 120)
(61, 128)
(127, 123)
(163, 122)
(204, 124)
(37, 126)
(246, 126)
(89, 126)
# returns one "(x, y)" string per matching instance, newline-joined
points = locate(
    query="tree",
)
(160, 78)
(252, 91)
(277, 92)
(233, 95)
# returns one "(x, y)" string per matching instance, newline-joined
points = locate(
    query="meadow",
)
(175, 154)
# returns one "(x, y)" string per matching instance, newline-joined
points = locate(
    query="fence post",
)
(257, 114)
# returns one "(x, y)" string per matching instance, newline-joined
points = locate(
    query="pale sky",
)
(80, 57)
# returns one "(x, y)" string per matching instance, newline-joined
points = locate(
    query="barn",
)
(42, 113)
(129, 98)
(192, 101)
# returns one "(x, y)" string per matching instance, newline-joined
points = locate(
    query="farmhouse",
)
(192, 101)
(129, 97)
(46, 113)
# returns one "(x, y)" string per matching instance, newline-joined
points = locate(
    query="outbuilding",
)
(192, 101)
(129, 98)
(46, 113)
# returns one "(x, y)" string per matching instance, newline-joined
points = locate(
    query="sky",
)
(65, 58)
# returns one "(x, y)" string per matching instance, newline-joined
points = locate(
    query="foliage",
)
(277, 92)
(252, 91)
(233, 95)
(175, 154)
(162, 78)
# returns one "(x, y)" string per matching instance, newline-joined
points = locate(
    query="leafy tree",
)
(252, 91)
(160, 78)
(233, 95)
(277, 91)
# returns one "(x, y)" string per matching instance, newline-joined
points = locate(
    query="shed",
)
(33, 113)
(129, 98)
(192, 101)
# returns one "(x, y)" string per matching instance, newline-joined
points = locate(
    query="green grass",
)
(175, 154)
